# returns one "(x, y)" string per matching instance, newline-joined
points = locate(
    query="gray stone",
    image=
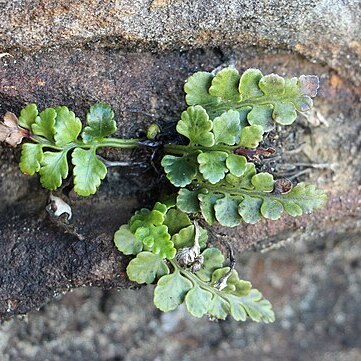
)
(326, 31)
(314, 288)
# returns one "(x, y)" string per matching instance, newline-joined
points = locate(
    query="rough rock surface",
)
(325, 31)
(135, 56)
(143, 88)
(314, 287)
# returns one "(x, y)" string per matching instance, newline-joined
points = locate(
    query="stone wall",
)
(135, 55)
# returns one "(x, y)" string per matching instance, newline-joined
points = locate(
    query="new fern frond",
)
(226, 119)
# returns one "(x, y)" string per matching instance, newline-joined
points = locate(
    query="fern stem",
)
(105, 142)
(240, 191)
(178, 149)
(46, 143)
(214, 110)
(117, 143)
(196, 281)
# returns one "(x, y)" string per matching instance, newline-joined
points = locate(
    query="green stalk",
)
(46, 143)
(117, 143)
(240, 191)
(105, 142)
(177, 149)
(264, 100)
(196, 281)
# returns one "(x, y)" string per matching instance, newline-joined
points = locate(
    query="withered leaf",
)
(254, 154)
(309, 85)
(282, 186)
(10, 132)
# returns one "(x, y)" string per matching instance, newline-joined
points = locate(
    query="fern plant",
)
(227, 117)
(171, 247)
(56, 133)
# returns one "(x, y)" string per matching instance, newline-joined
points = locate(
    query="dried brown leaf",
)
(282, 186)
(309, 85)
(254, 154)
(10, 132)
